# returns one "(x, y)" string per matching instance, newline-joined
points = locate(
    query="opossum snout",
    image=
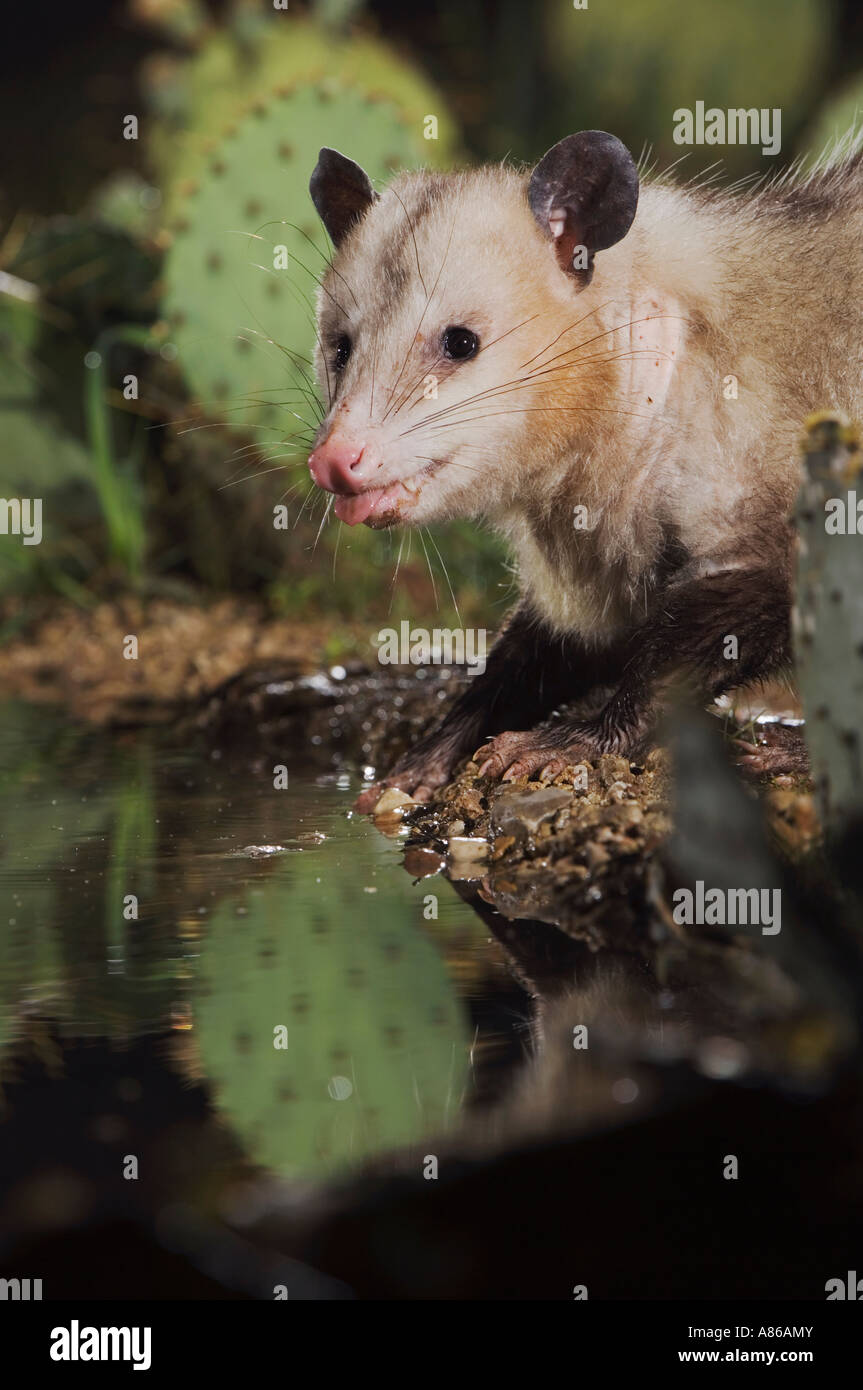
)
(341, 464)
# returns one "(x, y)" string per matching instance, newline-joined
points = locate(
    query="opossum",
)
(620, 369)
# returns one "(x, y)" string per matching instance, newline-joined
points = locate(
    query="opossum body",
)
(615, 379)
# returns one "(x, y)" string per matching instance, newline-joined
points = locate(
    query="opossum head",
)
(454, 353)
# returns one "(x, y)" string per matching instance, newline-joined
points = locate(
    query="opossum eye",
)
(342, 352)
(460, 343)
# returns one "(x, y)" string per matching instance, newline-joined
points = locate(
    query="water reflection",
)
(326, 1001)
(169, 919)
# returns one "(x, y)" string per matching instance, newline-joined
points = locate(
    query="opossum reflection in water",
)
(580, 337)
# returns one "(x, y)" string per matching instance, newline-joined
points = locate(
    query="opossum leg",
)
(529, 671)
(688, 634)
(782, 752)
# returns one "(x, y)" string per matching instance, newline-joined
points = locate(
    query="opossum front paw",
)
(419, 780)
(512, 755)
(781, 753)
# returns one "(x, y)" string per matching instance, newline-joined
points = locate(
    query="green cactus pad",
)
(828, 615)
(192, 100)
(236, 315)
(377, 1041)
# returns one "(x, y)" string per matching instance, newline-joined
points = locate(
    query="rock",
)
(519, 813)
(612, 769)
(392, 800)
(596, 855)
(620, 791)
(421, 862)
(466, 856)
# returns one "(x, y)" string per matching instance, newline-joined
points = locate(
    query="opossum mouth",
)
(383, 506)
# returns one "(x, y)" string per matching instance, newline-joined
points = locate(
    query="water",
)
(189, 955)
(234, 1029)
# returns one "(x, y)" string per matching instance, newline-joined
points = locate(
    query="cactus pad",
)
(828, 614)
(236, 313)
(377, 1041)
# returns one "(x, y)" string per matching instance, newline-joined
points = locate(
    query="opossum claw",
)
(763, 759)
(420, 783)
(512, 755)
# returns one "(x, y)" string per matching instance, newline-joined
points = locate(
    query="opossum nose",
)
(336, 465)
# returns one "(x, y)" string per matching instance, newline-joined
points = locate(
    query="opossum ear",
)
(341, 192)
(583, 193)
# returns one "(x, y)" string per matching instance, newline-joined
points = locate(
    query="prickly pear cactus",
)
(828, 613)
(240, 283)
(254, 55)
(377, 1041)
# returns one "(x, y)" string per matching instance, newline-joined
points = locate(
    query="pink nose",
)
(335, 464)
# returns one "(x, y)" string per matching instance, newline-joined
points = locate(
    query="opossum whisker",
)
(215, 424)
(428, 562)
(308, 390)
(247, 401)
(429, 298)
(318, 505)
(446, 574)
(289, 491)
(398, 565)
(206, 404)
(425, 371)
(256, 456)
(514, 382)
(609, 354)
(462, 404)
(649, 318)
(485, 348)
(413, 238)
(277, 443)
(374, 361)
(336, 548)
(426, 458)
(307, 429)
(500, 337)
(327, 260)
(306, 395)
(528, 382)
(565, 370)
(320, 283)
(507, 388)
(324, 518)
(279, 469)
(312, 319)
(564, 331)
(298, 291)
(238, 471)
(245, 449)
(287, 351)
(417, 380)
(539, 409)
(311, 490)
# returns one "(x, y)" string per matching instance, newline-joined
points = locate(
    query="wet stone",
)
(421, 862)
(520, 813)
(392, 800)
(467, 855)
